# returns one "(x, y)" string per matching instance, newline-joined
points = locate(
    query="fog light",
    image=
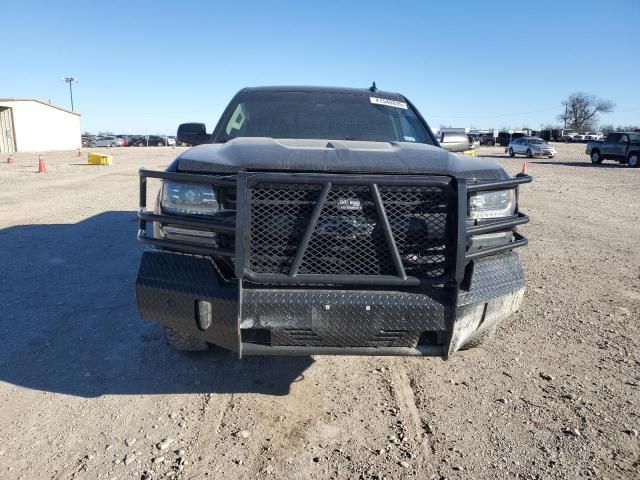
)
(205, 314)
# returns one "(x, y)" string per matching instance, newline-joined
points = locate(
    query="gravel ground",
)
(88, 389)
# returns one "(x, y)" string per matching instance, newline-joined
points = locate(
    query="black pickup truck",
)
(623, 147)
(328, 221)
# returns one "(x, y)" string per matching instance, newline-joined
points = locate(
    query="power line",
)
(467, 117)
(495, 116)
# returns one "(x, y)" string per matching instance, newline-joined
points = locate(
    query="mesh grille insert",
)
(279, 215)
(418, 219)
(348, 238)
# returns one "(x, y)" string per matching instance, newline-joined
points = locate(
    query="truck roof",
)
(313, 89)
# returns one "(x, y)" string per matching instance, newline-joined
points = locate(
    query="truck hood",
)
(332, 156)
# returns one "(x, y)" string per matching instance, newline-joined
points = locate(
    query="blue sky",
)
(148, 66)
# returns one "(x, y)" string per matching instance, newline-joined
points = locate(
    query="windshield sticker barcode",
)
(388, 103)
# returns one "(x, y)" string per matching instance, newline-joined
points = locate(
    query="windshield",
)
(634, 137)
(322, 115)
(536, 141)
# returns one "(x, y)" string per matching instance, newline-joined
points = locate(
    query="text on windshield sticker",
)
(388, 103)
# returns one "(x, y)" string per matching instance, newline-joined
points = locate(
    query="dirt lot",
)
(88, 389)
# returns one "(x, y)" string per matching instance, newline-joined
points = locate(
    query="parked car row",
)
(576, 137)
(505, 137)
(128, 141)
(152, 141)
(101, 141)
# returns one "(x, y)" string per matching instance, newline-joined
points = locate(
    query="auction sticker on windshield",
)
(387, 102)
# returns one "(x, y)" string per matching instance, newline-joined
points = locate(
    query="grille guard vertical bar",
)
(459, 208)
(311, 226)
(386, 228)
(461, 229)
(142, 223)
(243, 226)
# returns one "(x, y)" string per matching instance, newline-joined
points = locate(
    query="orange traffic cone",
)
(10, 159)
(42, 168)
(523, 173)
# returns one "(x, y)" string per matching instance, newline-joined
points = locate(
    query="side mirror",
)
(193, 133)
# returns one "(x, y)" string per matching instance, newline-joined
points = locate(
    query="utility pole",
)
(70, 80)
(565, 116)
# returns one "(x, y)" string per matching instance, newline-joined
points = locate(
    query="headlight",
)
(501, 203)
(188, 198)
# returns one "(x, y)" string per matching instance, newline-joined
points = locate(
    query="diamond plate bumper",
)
(249, 319)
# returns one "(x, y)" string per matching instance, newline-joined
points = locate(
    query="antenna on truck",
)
(373, 87)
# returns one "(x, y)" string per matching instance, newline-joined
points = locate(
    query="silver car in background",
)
(531, 147)
(106, 141)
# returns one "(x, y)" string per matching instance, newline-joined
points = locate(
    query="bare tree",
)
(581, 111)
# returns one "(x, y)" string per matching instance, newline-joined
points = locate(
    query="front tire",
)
(529, 154)
(184, 342)
(634, 160)
(596, 158)
(160, 144)
(511, 153)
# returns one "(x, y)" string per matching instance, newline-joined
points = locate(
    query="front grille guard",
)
(456, 260)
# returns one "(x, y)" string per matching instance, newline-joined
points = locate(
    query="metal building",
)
(30, 125)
